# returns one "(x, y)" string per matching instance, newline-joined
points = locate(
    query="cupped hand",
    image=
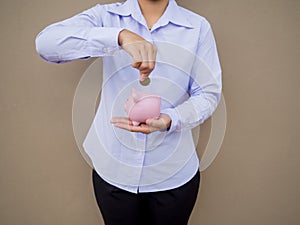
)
(142, 52)
(151, 125)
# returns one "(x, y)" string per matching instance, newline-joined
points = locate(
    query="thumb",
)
(153, 122)
(143, 76)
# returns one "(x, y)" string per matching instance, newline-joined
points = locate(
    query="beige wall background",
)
(255, 177)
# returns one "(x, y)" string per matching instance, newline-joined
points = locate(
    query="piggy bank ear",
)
(128, 104)
(135, 94)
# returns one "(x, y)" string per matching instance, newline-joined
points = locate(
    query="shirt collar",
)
(172, 13)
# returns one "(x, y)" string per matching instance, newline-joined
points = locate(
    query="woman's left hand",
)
(151, 125)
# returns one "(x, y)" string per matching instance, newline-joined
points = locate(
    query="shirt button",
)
(105, 50)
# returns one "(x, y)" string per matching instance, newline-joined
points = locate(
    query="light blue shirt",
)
(187, 76)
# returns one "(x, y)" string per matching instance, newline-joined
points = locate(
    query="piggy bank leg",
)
(135, 123)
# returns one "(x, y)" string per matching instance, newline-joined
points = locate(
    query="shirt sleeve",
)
(81, 36)
(205, 87)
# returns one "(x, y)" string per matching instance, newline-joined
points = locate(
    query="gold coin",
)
(145, 82)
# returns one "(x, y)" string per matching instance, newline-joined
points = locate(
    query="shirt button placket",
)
(140, 160)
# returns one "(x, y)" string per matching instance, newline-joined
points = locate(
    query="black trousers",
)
(120, 207)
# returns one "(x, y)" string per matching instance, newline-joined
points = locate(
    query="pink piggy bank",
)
(141, 106)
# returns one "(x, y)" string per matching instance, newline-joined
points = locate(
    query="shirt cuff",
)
(171, 112)
(107, 37)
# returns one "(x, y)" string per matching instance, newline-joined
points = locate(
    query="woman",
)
(145, 174)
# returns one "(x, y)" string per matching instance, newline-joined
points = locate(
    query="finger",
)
(142, 129)
(153, 122)
(144, 67)
(152, 57)
(123, 126)
(145, 128)
(121, 120)
(134, 52)
(143, 76)
(149, 58)
(156, 124)
(136, 64)
(126, 124)
(144, 54)
(137, 59)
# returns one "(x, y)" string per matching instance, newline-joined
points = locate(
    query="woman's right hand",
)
(142, 52)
